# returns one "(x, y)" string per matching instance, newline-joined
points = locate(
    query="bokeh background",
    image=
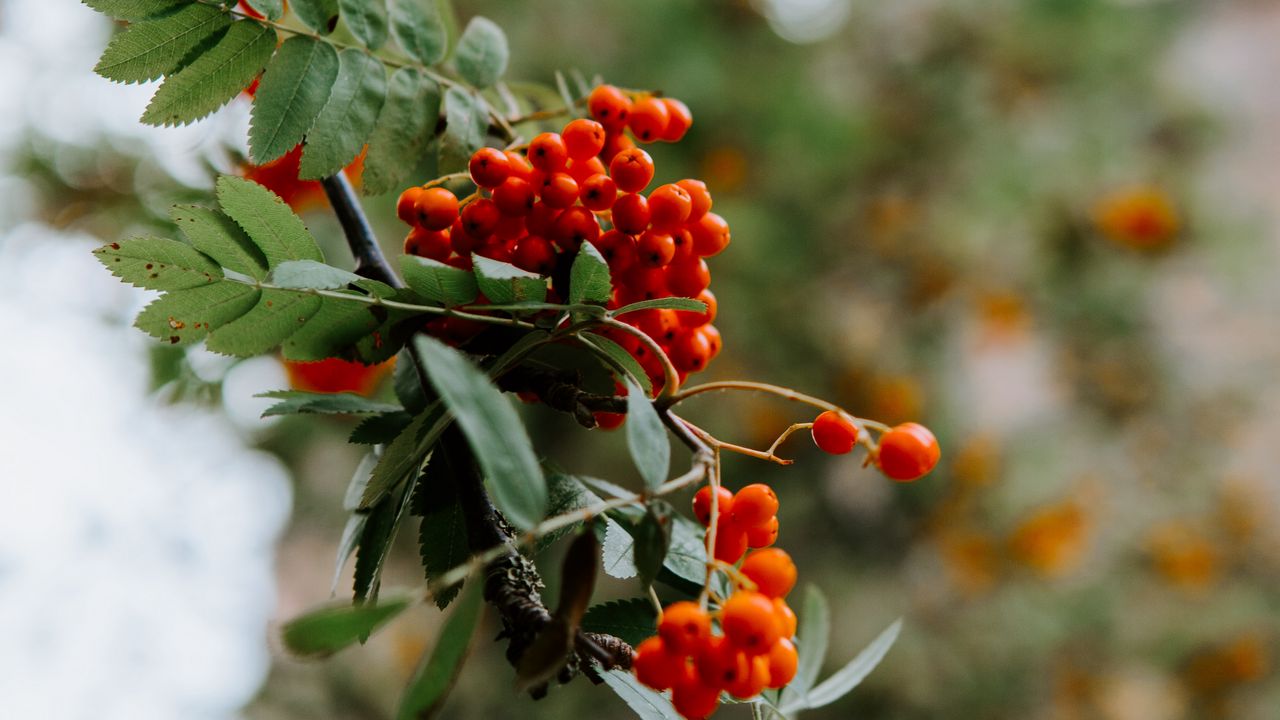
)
(1046, 228)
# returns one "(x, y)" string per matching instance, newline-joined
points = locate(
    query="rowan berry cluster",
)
(905, 452)
(535, 205)
(746, 645)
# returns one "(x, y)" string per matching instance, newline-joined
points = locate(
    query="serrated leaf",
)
(631, 620)
(504, 283)
(294, 402)
(652, 540)
(646, 703)
(419, 29)
(466, 122)
(213, 78)
(268, 221)
(482, 54)
(182, 317)
(367, 20)
(278, 314)
(380, 429)
(151, 48)
(844, 680)
(351, 533)
(673, 303)
(293, 90)
(402, 457)
(562, 86)
(439, 670)
(346, 121)
(319, 15)
(438, 282)
(133, 9)
(311, 275)
(687, 555)
(405, 123)
(360, 480)
(493, 430)
(813, 635)
(589, 277)
(647, 438)
(565, 494)
(623, 362)
(371, 551)
(442, 534)
(333, 330)
(329, 629)
(158, 264)
(272, 9)
(617, 557)
(219, 237)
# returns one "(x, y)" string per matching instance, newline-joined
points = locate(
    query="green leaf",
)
(268, 221)
(562, 86)
(565, 494)
(419, 29)
(182, 317)
(333, 330)
(151, 48)
(813, 635)
(379, 429)
(503, 283)
(294, 402)
(330, 629)
(158, 264)
(493, 429)
(375, 542)
(133, 9)
(367, 20)
(405, 123)
(218, 236)
(273, 9)
(466, 122)
(631, 620)
(293, 90)
(347, 119)
(687, 555)
(438, 672)
(403, 456)
(278, 314)
(673, 303)
(319, 15)
(618, 557)
(311, 275)
(646, 703)
(482, 54)
(442, 534)
(589, 277)
(437, 281)
(652, 540)
(850, 676)
(351, 534)
(647, 438)
(623, 362)
(214, 78)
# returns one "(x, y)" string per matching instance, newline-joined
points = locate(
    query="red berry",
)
(535, 255)
(583, 138)
(548, 153)
(702, 503)
(756, 680)
(510, 227)
(719, 663)
(750, 622)
(772, 571)
(834, 433)
(731, 540)
(786, 617)
(646, 282)
(463, 242)
(581, 170)
(762, 536)
(598, 192)
(631, 214)
(437, 208)
(615, 143)
(542, 218)
(907, 452)
(679, 120)
(684, 627)
(407, 205)
(609, 420)
(618, 249)
(631, 169)
(657, 666)
(489, 167)
(669, 206)
(692, 319)
(656, 249)
(518, 165)
(480, 217)
(710, 235)
(690, 352)
(695, 700)
(783, 663)
(559, 190)
(713, 336)
(609, 106)
(699, 196)
(688, 278)
(434, 244)
(573, 227)
(754, 504)
(648, 119)
(514, 197)
(684, 245)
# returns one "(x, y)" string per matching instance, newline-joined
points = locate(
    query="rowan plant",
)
(538, 262)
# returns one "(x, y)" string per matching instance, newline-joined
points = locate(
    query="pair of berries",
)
(905, 452)
(649, 118)
(745, 648)
(746, 519)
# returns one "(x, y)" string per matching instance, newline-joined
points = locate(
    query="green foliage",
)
(278, 314)
(149, 49)
(418, 28)
(293, 90)
(565, 493)
(623, 362)
(404, 125)
(646, 703)
(311, 275)
(647, 438)
(844, 680)
(375, 542)
(332, 331)
(273, 9)
(589, 277)
(327, 630)
(213, 78)
(403, 456)
(319, 15)
(347, 118)
(437, 281)
(294, 402)
(438, 671)
(482, 54)
(672, 303)
(630, 620)
(187, 316)
(466, 123)
(813, 634)
(367, 20)
(218, 236)
(494, 431)
(652, 537)
(158, 264)
(504, 283)
(442, 534)
(618, 558)
(133, 10)
(269, 222)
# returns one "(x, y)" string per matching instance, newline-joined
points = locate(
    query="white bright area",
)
(137, 540)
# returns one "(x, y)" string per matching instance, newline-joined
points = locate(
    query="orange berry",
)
(699, 198)
(688, 277)
(583, 169)
(755, 681)
(834, 433)
(719, 663)
(648, 120)
(437, 208)
(695, 700)
(598, 192)
(656, 666)
(754, 505)
(710, 235)
(536, 255)
(750, 622)
(783, 663)
(407, 205)
(489, 167)
(655, 249)
(690, 352)
(547, 152)
(434, 244)
(559, 190)
(684, 627)
(583, 138)
(907, 452)
(518, 165)
(669, 206)
(631, 169)
(713, 337)
(481, 217)
(731, 540)
(689, 318)
(618, 249)
(762, 536)
(679, 120)
(514, 197)
(609, 106)
(772, 571)
(631, 213)
(702, 503)
(609, 420)
(786, 617)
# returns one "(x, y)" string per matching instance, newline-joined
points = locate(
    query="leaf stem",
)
(671, 379)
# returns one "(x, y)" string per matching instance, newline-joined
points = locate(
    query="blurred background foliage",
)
(998, 218)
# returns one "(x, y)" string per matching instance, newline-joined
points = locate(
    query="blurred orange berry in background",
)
(280, 176)
(335, 375)
(1240, 660)
(1140, 217)
(1051, 541)
(1184, 556)
(724, 168)
(971, 559)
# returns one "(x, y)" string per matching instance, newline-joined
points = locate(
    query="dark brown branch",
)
(370, 262)
(561, 390)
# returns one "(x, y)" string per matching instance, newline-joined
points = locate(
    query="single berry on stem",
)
(834, 433)
(907, 452)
